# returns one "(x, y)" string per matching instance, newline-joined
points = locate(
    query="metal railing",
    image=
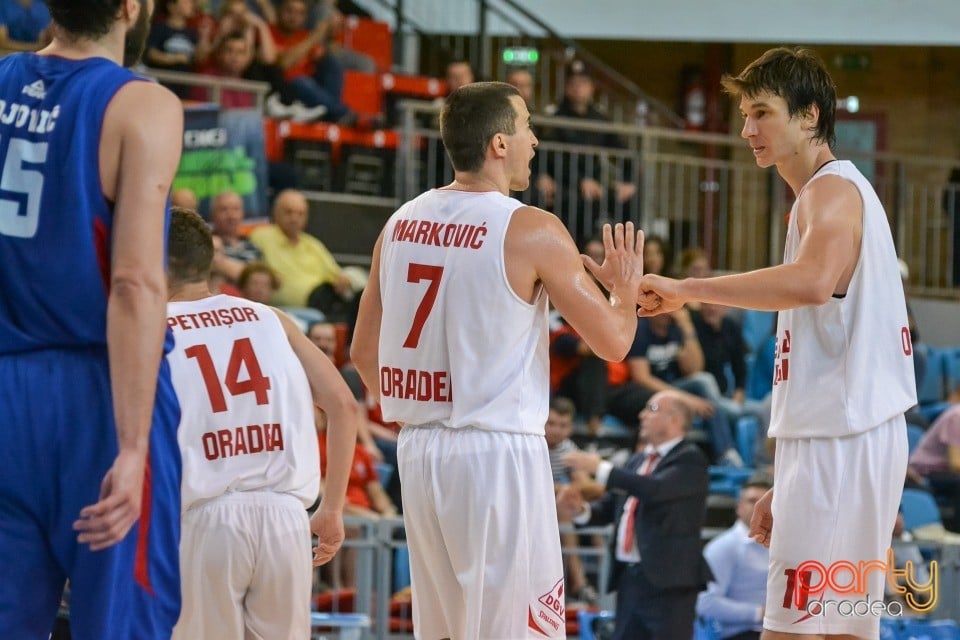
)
(212, 86)
(701, 190)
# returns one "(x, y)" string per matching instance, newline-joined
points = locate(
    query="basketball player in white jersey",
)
(247, 380)
(452, 336)
(844, 374)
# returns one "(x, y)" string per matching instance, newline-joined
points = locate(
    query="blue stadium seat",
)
(931, 389)
(919, 508)
(914, 435)
(589, 621)
(728, 480)
(930, 630)
(401, 568)
(951, 367)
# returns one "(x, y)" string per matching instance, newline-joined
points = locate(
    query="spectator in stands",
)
(656, 255)
(592, 181)
(236, 17)
(262, 8)
(226, 216)
(23, 25)
(174, 45)
(459, 74)
(937, 459)
(735, 598)
(951, 207)
(666, 355)
(184, 198)
(522, 79)
(557, 431)
(658, 502)
(309, 275)
(350, 60)
(365, 499)
(258, 282)
(315, 77)
(694, 263)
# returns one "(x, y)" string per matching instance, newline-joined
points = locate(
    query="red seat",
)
(362, 92)
(369, 37)
(414, 86)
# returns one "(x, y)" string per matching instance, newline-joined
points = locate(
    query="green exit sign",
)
(853, 61)
(520, 55)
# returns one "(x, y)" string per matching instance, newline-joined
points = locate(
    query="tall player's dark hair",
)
(189, 247)
(86, 18)
(471, 116)
(796, 75)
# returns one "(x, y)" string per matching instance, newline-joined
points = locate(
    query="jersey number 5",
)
(18, 181)
(242, 354)
(416, 273)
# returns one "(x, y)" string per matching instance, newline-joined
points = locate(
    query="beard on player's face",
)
(135, 40)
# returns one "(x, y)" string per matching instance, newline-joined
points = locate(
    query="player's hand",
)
(583, 461)
(653, 287)
(327, 525)
(569, 503)
(622, 267)
(761, 524)
(107, 522)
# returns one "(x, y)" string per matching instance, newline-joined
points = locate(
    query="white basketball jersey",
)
(845, 366)
(457, 345)
(246, 411)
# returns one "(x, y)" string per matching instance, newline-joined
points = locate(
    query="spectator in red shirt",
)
(315, 76)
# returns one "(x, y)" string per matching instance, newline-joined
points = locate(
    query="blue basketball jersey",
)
(55, 222)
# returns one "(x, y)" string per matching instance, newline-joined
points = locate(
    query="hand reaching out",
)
(622, 267)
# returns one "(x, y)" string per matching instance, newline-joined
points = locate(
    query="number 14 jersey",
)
(247, 421)
(458, 347)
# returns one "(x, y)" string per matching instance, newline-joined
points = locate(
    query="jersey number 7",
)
(242, 354)
(416, 273)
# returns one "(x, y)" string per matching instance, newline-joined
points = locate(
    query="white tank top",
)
(246, 411)
(458, 347)
(846, 366)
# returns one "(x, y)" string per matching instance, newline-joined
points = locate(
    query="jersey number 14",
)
(242, 355)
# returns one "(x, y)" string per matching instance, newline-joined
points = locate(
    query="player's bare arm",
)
(830, 224)
(365, 349)
(538, 249)
(333, 396)
(139, 153)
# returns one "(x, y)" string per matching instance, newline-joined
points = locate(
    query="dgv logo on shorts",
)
(548, 615)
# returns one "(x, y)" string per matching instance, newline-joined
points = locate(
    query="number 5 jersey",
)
(457, 345)
(247, 421)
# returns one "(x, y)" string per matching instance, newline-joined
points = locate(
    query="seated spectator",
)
(365, 499)
(258, 282)
(350, 60)
(736, 597)
(656, 255)
(309, 275)
(261, 8)
(226, 215)
(174, 45)
(937, 459)
(694, 263)
(316, 79)
(666, 355)
(557, 432)
(24, 25)
(237, 18)
(522, 80)
(184, 198)
(459, 74)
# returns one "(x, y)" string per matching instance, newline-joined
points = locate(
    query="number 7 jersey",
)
(247, 421)
(458, 347)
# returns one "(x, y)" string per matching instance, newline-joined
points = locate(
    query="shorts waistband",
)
(259, 498)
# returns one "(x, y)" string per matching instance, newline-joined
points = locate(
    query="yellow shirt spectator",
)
(302, 266)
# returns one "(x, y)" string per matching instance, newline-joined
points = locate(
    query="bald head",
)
(666, 417)
(290, 211)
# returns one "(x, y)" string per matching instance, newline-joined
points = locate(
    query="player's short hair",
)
(90, 19)
(796, 75)
(471, 116)
(189, 247)
(563, 406)
(254, 268)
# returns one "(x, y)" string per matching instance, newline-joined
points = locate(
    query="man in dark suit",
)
(658, 502)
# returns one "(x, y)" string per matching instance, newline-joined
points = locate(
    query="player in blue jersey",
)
(89, 463)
